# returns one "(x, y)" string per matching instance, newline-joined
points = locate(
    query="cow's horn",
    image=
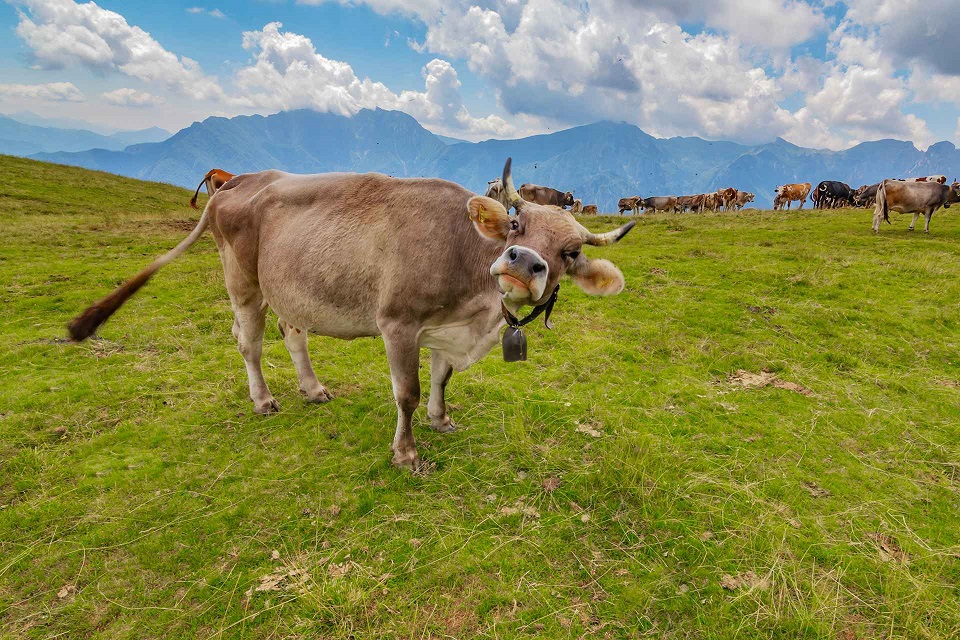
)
(512, 196)
(603, 239)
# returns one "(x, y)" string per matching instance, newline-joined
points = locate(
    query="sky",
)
(818, 73)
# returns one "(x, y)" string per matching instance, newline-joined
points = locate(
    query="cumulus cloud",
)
(126, 97)
(288, 73)
(52, 91)
(64, 33)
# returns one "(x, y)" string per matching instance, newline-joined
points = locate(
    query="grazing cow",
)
(214, 179)
(590, 210)
(779, 202)
(831, 194)
(915, 198)
(546, 195)
(631, 204)
(577, 207)
(866, 195)
(743, 198)
(686, 203)
(660, 203)
(795, 191)
(726, 198)
(423, 263)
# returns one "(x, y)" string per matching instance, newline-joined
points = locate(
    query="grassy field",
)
(626, 481)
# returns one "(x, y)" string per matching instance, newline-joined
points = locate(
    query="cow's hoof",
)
(443, 425)
(412, 463)
(267, 407)
(319, 395)
(909, 228)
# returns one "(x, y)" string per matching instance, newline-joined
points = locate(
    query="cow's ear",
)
(597, 277)
(489, 217)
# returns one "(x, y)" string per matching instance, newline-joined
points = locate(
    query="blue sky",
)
(820, 73)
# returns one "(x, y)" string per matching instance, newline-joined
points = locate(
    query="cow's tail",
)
(882, 202)
(85, 324)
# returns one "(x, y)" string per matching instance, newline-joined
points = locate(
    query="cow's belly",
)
(324, 319)
(463, 342)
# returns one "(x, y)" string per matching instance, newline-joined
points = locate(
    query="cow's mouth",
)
(513, 288)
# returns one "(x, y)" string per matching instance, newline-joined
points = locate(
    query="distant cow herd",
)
(905, 195)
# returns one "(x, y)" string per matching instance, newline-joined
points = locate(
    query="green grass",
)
(140, 497)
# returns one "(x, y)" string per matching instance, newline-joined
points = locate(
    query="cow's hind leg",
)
(926, 224)
(248, 326)
(403, 354)
(440, 373)
(295, 340)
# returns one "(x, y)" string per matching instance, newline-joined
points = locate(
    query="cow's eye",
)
(572, 255)
(514, 225)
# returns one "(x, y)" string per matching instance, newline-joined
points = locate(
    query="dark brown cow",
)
(214, 179)
(546, 195)
(423, 263)
(590, 210)
(915, 198)
(687, 203)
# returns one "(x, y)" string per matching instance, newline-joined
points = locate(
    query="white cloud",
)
(126, 97)
(213, 13)
(288, 73)
(63, 33)
(52, 91)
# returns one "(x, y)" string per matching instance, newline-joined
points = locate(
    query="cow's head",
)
(567, 200)
(541, 244)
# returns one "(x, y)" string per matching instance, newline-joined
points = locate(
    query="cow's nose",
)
(525, 261)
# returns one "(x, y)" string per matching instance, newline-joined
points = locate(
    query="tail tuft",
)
(87, 323)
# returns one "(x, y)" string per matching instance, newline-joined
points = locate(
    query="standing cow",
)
(790, 192)
(660, 203)
(546, 195)
(915, 198)
(590, 210)
(423, 263)
(831, 194)
(631, 204)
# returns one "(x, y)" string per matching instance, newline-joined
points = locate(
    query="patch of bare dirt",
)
(765, 378)
(551, 484)
(815, 490)
(748, 580)
(888, 548)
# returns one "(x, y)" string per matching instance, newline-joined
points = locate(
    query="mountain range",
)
(20, 138)
(600, 162)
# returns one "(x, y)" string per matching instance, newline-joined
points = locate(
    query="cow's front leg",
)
(440, 373)
(926, 224)
(403, 354)
(913, 223)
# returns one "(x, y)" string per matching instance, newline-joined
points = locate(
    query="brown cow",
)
(577, 207)
(915, 198)
(590, 210)
(546, 195)
(686, 203)
(423, 263)
(709, 201)
(743, 198)
(790, 192)
(629, 204)
(214, 179)
(726, 198)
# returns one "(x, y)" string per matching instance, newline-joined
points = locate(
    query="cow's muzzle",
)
(521, 274)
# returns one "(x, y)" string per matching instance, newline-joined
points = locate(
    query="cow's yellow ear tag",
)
(480, 217)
